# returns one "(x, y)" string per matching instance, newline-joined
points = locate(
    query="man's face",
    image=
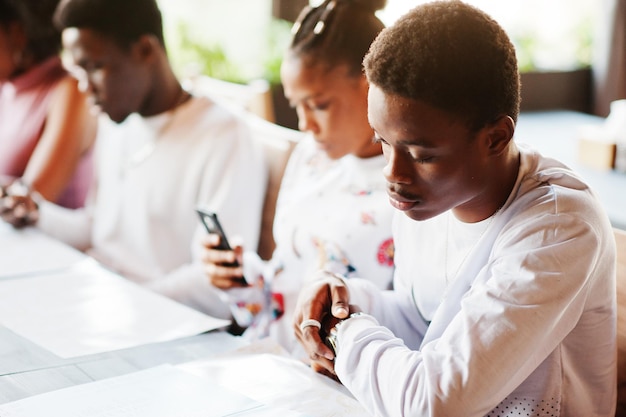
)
(116, 78)
(434, 162)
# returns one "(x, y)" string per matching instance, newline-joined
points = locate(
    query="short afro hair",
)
(452, 56)
(124, 21)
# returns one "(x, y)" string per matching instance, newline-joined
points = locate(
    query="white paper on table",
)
(264, 372)
(88, 309)
(162, 391)
(29, 251)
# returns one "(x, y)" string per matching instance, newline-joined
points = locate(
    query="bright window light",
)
(548, 35)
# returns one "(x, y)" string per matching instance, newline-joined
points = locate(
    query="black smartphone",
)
(212, 225)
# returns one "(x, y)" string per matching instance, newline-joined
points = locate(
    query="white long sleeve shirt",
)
(527, 327)
(151, 173)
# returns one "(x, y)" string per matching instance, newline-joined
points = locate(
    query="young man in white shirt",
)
(504, 291)
(160, 153)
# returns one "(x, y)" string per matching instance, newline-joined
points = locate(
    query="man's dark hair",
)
(125, 21)
(452, 56)
(35, 16)
(337, 32)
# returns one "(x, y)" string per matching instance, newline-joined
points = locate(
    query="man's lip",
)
(401, 203)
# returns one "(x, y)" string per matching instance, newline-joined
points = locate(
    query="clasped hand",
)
(17, 206)
(223, 267)
(326, 300)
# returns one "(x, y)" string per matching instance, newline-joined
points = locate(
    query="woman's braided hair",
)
(337, 32)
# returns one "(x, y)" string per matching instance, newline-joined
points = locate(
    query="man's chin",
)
(420, 214)
(118, 118)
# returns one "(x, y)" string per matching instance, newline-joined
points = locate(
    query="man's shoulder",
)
(203, 107)
(543, 176)
(207, 116)
(549, 194)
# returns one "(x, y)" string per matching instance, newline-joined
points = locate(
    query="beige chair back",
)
(255, 96)
(253, 103)
(277, 143)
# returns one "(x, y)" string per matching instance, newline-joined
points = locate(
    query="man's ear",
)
(499, 134)
(146, 48)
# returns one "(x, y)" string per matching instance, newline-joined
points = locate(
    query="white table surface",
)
(261, 371)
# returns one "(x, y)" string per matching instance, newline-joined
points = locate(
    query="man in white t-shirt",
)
(160, 153)
(504, 288)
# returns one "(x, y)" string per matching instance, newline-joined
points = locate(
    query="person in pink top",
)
(46, 130)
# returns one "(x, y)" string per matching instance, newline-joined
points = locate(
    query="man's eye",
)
(320, 106)
(420, 157)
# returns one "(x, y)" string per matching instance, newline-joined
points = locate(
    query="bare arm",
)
(69, 131)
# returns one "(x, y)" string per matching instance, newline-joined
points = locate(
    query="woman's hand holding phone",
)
(222, 264)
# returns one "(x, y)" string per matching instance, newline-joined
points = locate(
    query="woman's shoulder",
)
(67, 86)
(66, 93)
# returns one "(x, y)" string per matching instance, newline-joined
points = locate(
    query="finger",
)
(311, 340)
(313, 301)
(313, 307)
(20, 211)
(238, 252)
(23, 207)
(210, 240)
(230, 272)
(340, 304)
(8, 203)
(4, 208)
(219, 282)
(218, 257)
(324, 367)
(340, 301)
(313, 304)
(224, 276)
(15, 212)
(225, 283)
(20, 223)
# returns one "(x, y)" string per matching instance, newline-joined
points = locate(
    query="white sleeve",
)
(71, 226)
(189, 285)
(233, 186)
(529, 299)
(393, 308)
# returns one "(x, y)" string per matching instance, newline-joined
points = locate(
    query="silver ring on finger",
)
(310, 323)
